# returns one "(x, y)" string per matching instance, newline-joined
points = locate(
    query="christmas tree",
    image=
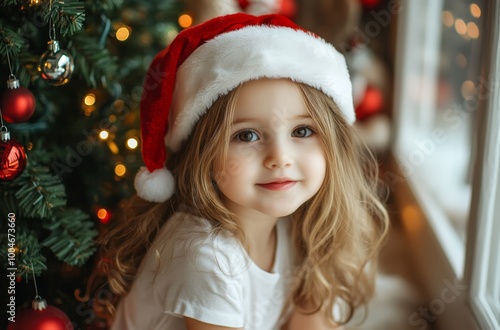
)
(69, 146)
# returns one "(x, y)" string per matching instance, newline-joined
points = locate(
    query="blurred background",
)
(426, 83)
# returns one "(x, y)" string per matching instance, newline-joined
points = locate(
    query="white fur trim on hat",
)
(254, 52)
(156, 186)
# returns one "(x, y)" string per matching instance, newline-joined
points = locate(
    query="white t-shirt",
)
(206, 277)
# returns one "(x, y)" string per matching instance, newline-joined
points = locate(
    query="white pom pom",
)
(157, 186)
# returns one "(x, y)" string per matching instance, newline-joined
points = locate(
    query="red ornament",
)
(243, 4)
(18, 103)
(98, 325)
(12, 157)
(371, 104)
(370, 3)
(288, 8)
(41, 317)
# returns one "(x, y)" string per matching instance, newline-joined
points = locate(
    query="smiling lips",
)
(280, 184)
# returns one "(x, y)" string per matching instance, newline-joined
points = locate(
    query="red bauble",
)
(98, 325)
(288, 8)
(12, 159)
(18, 103)
(49, 318)
(371, 104)
(243, 3)
(370, 3)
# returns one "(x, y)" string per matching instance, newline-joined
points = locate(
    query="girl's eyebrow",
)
(255, 119)
(244, 120)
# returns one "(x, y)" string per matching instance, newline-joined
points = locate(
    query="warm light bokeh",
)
(475, 10)
(447, 18)
(472, 30)
(411, 218)
(132, 143)
(103, 135)
(120, 169)
(185, 21)
(460, 26)
(103, 215)
(89, 99)
(122, 33)
(468, 89)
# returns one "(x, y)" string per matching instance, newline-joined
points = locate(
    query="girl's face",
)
(275, 160)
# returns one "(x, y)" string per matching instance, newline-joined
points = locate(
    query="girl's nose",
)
(278, 155)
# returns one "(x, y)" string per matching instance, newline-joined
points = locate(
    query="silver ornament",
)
(56, 65)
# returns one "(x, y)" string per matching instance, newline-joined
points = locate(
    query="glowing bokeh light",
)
(120, 170)
(122, 33)
(132, 143)
(103, 135)
(185, 21)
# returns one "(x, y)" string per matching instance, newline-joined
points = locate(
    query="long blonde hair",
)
(336, 234)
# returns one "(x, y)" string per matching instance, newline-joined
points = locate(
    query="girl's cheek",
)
(244, 152)
(225, 173)
(234, 167)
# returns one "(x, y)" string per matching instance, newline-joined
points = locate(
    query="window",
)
(485, 215)
(447, 147)
(440, 91)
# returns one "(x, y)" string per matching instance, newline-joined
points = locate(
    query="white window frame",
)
(483, 262)
(440, 256)
(407, 59)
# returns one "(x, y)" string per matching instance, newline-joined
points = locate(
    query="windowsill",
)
(435, 247)
(446, 221)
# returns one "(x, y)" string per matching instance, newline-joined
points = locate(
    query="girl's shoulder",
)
(187, 222)
(186, 238)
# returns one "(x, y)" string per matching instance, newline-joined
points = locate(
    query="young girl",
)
(263, 215)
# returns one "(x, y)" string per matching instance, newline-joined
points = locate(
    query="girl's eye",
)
(247, 136)
(302, 131)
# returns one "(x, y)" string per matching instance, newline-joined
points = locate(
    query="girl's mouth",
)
(278, 185)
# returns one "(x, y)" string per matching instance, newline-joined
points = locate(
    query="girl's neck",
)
(262, 247)
(261, 234)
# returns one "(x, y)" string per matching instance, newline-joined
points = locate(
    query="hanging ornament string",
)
(37, 297)
(18, 103)
(3, 129)
(11, 76)
(56, 65)
(1, 121)
(52, 25)
(41, 315)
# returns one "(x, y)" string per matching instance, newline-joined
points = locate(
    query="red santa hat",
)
(211, 59)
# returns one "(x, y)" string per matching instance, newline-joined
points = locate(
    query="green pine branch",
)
(48, 229)
(39, 192)
(8, 200)
(27, 70)
(36, 192)
(68, 16)
(11, 41)
(40, 196)
(93, 62)
(5, 3)
(29, 257)
(71, 236)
